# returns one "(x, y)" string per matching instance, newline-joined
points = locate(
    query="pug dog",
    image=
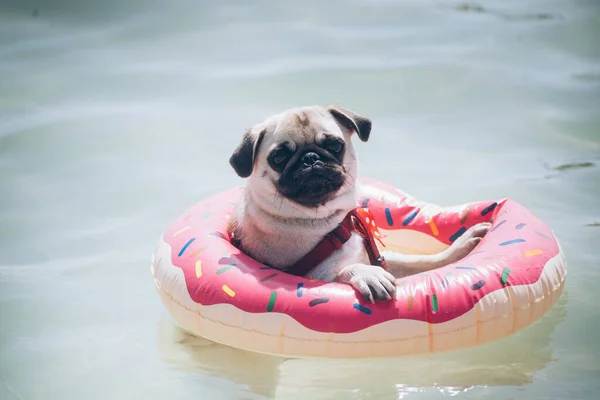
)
(301, 170)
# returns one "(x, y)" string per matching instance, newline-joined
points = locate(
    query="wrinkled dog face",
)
(310, 172)
(303, 154)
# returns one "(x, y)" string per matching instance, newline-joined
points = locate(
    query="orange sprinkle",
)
(465, 214)
(532, 253)
(434, 228)
(195, 253)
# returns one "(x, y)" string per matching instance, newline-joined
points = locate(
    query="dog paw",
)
(373, 283)
(467, 242)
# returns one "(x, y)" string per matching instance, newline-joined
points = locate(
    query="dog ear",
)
(351, 120)
(243, 157)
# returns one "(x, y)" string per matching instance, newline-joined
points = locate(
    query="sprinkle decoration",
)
(266, 278)
(505, 274)
(478, 285)
(434, 303)
(513, 241)
(228, 291)
(362, 308)
(531, 253)
(185, 246)
(498, 225)
(465, 215)
(542, 235)
(272, 300)
(299, 289)
(489, 209)
(388, 216)
(198, 268)
(458, 234)
(520, 226)
(410, 218)
(433, 227)
(316, 302)
(187, 228)
(197, 251)
(225, 269)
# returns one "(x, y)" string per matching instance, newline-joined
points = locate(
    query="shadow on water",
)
(509, 362)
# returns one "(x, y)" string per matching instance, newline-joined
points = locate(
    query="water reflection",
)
(509, 362)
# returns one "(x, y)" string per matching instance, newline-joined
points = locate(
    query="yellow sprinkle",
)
(198, 268)
(228, 290)
(181, 231)
(434, 228)
(532, 253)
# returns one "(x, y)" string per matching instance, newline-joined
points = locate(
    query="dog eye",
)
(334, 147)
(279, 158)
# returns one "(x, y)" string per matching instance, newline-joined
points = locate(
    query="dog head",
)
(305, 155)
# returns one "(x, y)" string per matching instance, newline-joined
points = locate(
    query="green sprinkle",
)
(206, 215)
(505, 273)
(272, 301)
(434, 303)
(225, 269)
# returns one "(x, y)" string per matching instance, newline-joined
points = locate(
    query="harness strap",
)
(359, 220)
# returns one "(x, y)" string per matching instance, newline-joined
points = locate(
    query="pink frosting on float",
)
(514, 252)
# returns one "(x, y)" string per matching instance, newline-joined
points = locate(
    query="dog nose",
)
(310, 158)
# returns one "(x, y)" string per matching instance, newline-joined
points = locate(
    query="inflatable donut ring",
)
(514, 276)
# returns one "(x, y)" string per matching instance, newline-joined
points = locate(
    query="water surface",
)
(115, 116)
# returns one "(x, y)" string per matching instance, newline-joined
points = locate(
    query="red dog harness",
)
(358, 220)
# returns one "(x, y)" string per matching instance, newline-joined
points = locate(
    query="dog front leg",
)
(408, 264)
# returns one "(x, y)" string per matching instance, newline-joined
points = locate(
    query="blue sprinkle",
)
(362, 308)
(388, 215)
(478, 285)
(299, 290)
(469, 268)
(499, 223)
(489, 208)
(185, 246)
(511, 242)
(458, 234)
(520, 226)
(265, 267)
(542, 235)
(365, 202)
(318, 301)
(410, 218)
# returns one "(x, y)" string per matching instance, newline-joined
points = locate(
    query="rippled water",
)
(115, 116)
